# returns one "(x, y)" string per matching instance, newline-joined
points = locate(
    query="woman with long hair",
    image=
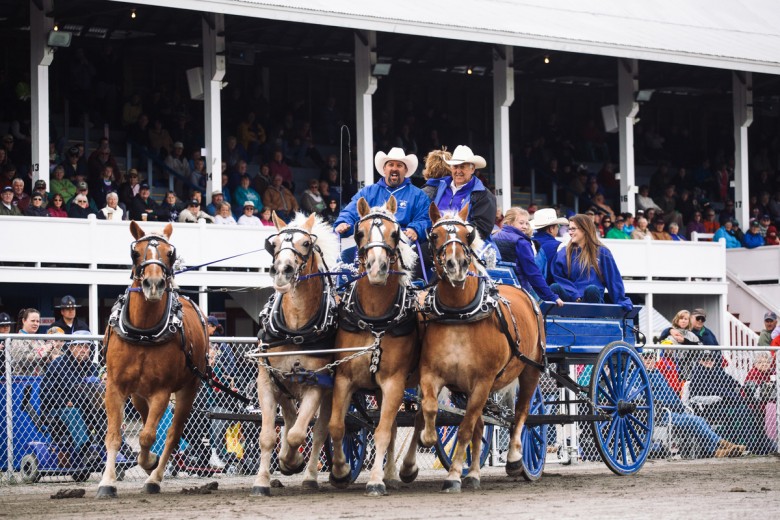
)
(28, 357)
(585, 268)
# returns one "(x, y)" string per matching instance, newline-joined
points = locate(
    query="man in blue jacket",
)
(546, 225)
(412, 213)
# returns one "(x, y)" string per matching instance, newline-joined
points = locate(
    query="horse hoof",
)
(393, 484)
(339, 482)
(310, 485)
(287, 472)
(471, 483)
(151, 488)
(106, 492)
(451, 486)
(376, 490)
(260, 491)
(406, 479)
(514, 469)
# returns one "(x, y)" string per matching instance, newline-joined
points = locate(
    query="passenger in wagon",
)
(585, 268)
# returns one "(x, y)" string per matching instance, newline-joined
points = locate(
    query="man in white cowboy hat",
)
(546, 224)
(463, 187)
(395, 167)
(68, 321)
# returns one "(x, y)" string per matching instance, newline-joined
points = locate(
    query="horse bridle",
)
(152, 241)
(449, 226)
(286, 236)
(376, 222)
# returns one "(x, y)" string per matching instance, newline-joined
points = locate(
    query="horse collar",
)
(483, 305)
(400, 320)
(170, 323)
(319, 331)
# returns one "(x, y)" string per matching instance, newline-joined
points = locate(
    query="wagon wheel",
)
(620, 390)
(355, 444)
(534, 440)
(447, 439)
(29, 469)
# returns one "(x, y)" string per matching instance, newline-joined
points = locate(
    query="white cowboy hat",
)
(395, 154)
(463, 154)
(547, 217)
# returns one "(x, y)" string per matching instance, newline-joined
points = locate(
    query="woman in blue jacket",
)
(585, 268)
(515, 246)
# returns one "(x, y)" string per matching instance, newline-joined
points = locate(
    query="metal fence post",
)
(9, 422)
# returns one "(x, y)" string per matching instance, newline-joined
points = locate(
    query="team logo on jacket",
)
(402, 203)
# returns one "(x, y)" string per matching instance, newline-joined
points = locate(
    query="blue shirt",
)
(412, 210)
(549, 244)
(528, 273)
(575, 281)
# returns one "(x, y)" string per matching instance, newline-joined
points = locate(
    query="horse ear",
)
(363, 207)
(434, 213)
(464, 213)
(279, 222)
(168, 231)
(136, 230)
(309, 224)
(391, 204)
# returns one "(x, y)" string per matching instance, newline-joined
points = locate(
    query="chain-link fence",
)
(708, 403)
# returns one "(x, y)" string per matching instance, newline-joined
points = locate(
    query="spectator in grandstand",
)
(80, 208)
(142, 207)
(770, 324)
(752, 238)
(225, 216)
(658, 232)
(464, 188)
(21, 199)
(36, 207)
(131, 110)
(5, 328)
(695, 225)
(262, 180)
(764, 223)
(727, 212)
(710, 223)
(280, 199)
(668, 204)
(435, 168)
(216, 201)
(192, 213)
(585, 268)
(249, 218)
(105, 185)
(546, 225)
(617, 231)
(7, 206)
(606, 225)
(311, 200)
(233, 152)
(246, 193)
(199, 175)
(643, 200)
(279, 167)
(27, 357)
(62, 186)
(667, 401)
(602, 207)
(698, 318)
(160, 142)
(771, 236)
(515, 246)
(40, 188)
(674, 232)
(68, 320)
(628, 226)
(760, 391)
(57, 207)
(74, 164)
(641, 231)
(112, 210)
(83, 189)
(138, 133)
(727, 233)
(177, 162)
(332, 186)
(99, 159)
(170, 208)
(266, 220)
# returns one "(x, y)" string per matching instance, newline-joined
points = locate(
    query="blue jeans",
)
(592, 294)
(694, 424)
(72, 419)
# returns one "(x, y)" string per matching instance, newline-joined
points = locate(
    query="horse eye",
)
(434, 237)
(359, 236)
(306, 244)
(134, 254)
(395, 235)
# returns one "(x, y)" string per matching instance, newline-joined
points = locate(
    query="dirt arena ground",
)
(735, 488)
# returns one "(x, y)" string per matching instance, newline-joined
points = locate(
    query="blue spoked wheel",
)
(620, 390)
(448, 439)
(355, 447)
(534, 440)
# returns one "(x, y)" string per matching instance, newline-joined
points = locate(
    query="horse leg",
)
(339, 470)
(157, 405)
(268, 400)
(392, 396)
(115, 408)
(391, 478)
(318, 435)
(409, 469)
(430, 386)
(528, 382)
(472, 481)
(476, 403)
(291, 460)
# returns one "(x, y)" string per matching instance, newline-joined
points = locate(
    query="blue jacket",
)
(482, 205)
(575, 282)
(412, 211)
(753, 240)
(64, 381)
(549, 244)
(707, 337)
(731, 241)
(528, 273)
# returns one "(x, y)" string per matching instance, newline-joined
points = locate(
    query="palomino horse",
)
(156, 344)
(301, 315)
(479, 339)
(380, 311)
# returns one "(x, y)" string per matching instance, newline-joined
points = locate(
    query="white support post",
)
(503, 97)
(41, 56)
(628, 86)
(647, 325)
(742, 98)
(365, 86)
(94, 324)
(213, 74)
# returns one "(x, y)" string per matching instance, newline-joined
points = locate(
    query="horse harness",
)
(377, 218)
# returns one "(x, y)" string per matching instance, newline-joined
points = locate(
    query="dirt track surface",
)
(736, 488)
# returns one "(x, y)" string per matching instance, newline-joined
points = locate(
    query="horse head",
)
(153, 258)
(377, 236)
(292, 250)
(452, 240)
